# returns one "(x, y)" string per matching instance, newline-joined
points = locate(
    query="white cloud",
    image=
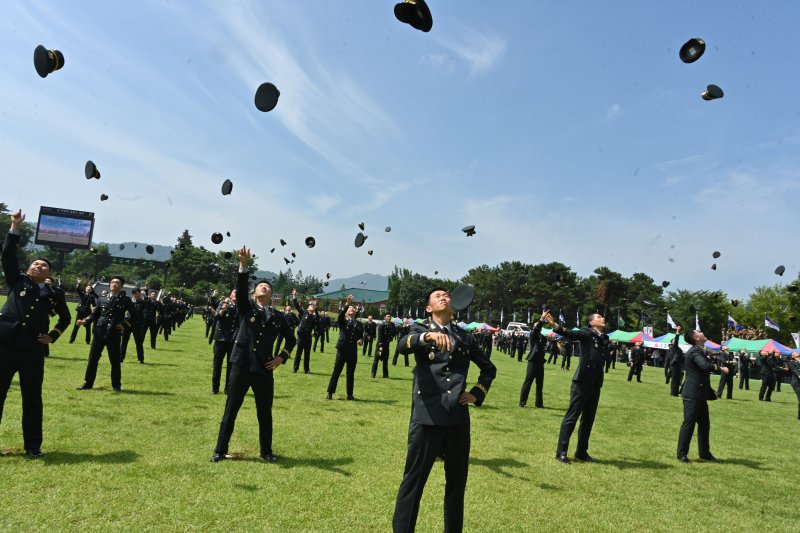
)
(480, 51)
(612, 111)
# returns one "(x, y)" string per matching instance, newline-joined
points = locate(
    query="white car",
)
(514, 327)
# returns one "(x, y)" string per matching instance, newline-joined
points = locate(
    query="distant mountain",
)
(375, 282)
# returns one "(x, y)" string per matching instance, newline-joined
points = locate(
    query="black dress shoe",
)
(351, 398)
(329, 396)
(271, 457)
(34, 454)
(684, 459)
(307, 371)
(117, 389)
(585, 457)
(217, 457)
(563, 458)
(709, 458)
(521, 404)
(84, 387)
(214, 392)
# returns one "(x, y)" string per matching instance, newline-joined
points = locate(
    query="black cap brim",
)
(780, 270)
(46, 61)
(359, 242)
(103, 197)
(216, 238)
(311, 242)
(149, 249)
(90, 170)
(692, 50)
(267, 97)
(416, 14)
(462, 296)
(712, 92)
(227, 187)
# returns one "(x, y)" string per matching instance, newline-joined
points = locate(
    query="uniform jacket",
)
(109, 313)
(794, 368)
(767, 366)
(697, 385)
(594, 351)
(350, 331)
(677, 354)
(370, 330)
(440, 377)
(258, 329)
(385, 332)
(226, 322)
(538, 345)
(308, 321)
(26, 313)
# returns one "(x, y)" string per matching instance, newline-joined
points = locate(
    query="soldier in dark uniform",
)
(566, 357)
(725, 359)
(765, 360)
(350, 334)
(636, 362)
(370, 329)
(676, 364)
(24, 324)
(87, 300)
(139, 330)
(611, 360)
(166, 317)
(326, 322)
(404, 329)
(307, 325)
(151, 311)
(794, 368)
(320, 330)
(224, 337)
(744, 370)
(209, 310)
(109, 319)
(522, 343)
(696, 393)
(292, 320)
(385, 336)
(59, 307)
(439, 424)
(253, 360)
(586, 384)
(552, 349)
(535, 371)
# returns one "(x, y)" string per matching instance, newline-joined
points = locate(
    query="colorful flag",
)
(671, 322)
(770, 324)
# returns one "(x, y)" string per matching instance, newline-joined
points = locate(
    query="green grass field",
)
(139, 460)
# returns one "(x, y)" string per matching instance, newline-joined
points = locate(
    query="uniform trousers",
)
(744, 379)
(153, 327)
(725, 380)
(347, 355)
(138, 334)
(303, 351)
(381, 354)
(263, 388)
(695, 412)
(535, 373)
(796, 387)
(425, 444)
(321, 339)
(767, 385)
(222, 351)
(111, 342)
(367, 348)
(30, 366)
(675, 380)
(81, 316)
(583, 401)
(637, 370)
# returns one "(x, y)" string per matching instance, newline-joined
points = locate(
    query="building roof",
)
(366, 296)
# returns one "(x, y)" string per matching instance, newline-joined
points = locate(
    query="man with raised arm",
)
(252, 360)
(24, 324)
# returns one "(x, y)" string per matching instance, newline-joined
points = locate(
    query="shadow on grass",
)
(66, 458)
(499, 465)
(331, 465)
(545, 486)
(150, 363)
(382, 402)
(627, 463)
(748, 463)
(145, 392)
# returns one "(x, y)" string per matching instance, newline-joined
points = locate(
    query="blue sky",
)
(564, 131)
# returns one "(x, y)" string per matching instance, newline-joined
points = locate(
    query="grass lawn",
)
(139, 460)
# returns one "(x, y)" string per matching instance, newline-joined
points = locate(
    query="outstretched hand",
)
(17, 219)
(244, 255)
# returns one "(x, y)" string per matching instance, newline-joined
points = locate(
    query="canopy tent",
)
(735, 344)
(664, 341)
(629, 336)
(472, 326)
